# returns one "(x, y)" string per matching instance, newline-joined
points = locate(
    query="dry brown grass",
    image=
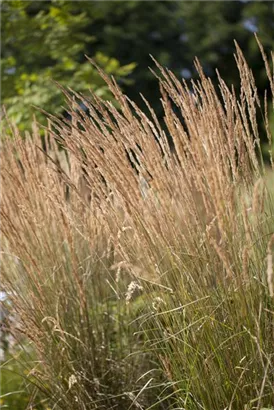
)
(189, 227)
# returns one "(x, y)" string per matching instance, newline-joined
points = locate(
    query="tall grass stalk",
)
(142, 273)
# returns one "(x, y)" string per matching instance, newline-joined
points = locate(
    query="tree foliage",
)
(45, 41)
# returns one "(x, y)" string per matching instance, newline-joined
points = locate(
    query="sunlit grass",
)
(141, 274)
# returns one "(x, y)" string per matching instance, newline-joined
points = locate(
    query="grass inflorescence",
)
(141, 272)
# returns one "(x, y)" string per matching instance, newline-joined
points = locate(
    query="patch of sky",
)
(183, 38)
(186, 73)
(10, 70)
(250, 24)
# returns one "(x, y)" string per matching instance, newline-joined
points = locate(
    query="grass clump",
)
(142, 273)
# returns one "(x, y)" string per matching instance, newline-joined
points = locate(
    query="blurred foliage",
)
(45, 41)
(18, 391)
(175, 32)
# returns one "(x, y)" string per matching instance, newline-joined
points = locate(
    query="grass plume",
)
(142, 273)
